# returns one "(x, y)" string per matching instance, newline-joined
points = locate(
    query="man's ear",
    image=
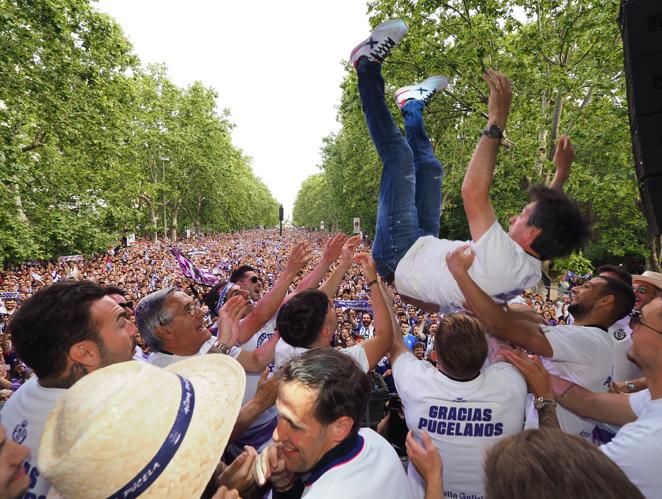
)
(162, 332)
(85, 353)
(341, 428)
(607, 300)
(534, 232)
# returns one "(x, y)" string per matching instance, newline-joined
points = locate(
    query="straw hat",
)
(133, 429)
(654, 278)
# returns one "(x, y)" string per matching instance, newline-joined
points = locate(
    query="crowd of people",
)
(248, 364)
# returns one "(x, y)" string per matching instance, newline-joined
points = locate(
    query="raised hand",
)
(367, 264)
(349, 248)
(460, 259)
(501, 96)
(239, 474)
(333, 248)
(563, 158)
(299, 257)
(228, 318)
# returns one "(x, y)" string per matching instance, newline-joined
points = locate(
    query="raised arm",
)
(523, 333)
(478, 178)
(377, 346)
(563, 160)
(332, 250)
(332, 284)
(268, 305)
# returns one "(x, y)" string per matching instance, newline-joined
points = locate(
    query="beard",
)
(578, 310)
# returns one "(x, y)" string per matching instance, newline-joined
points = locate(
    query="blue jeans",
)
(410, 189)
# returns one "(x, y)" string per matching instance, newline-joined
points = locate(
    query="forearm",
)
(547, 417)
(613, 408)
(490, 313)
(332, 284)
(313, 278)
(377, 346)
(265, 308)
(434, 488)
(478, 178)
(558, 181)
(248, 413)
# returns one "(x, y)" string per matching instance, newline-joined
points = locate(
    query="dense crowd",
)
(311, 365)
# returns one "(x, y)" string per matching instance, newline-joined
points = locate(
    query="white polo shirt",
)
(285, 352)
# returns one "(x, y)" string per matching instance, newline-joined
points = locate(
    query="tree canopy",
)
(93, 145)
(565, 59)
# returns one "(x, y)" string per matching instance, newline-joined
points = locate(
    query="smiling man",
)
(321, 402)
(65, 331)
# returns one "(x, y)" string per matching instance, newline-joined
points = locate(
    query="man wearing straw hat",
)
(114, 435)
(64, 332)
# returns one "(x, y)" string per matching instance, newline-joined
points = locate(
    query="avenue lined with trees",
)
(94, 145)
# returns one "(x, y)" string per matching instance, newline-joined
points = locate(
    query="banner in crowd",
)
(199, 275)
(72, 258)
(355, 304)
(9, 295)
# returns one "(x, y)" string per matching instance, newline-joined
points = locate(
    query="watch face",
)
(493, 132)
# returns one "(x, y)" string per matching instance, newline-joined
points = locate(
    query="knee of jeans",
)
(404, 155)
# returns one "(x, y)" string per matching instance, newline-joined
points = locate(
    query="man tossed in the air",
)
(406, 247)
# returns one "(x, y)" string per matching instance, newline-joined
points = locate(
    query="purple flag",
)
(201, 276)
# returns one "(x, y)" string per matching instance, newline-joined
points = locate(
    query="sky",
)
(276, 66)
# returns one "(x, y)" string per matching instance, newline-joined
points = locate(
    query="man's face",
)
(122, 302)
(404, 327)
(520, 231)
(366, 320)
(188, 331)
(13, 479)
(411, 312)
(644, 292)
(433, 328)
(304, 440)
(116, 332)
(646, 342)
(251, 282)
(419, 352)
(434, 317)
(584, 297)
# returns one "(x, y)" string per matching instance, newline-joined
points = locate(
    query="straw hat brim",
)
(652, 279)
(218, 382)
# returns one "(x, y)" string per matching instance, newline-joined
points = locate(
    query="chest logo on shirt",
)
(619, 334)
(20, 433)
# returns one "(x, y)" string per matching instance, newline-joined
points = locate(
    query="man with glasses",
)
(646, 286)
(173, 326)
(637, 447)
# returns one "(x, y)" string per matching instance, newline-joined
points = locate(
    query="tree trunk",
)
(655, 245)
(173, 222)
(20, 214)
(152, 217)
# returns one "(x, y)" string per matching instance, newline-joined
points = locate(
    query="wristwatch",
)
(223, 348)
(493, 132)
(630, 385)
(540, 402)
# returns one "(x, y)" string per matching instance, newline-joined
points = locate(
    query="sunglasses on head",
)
(127, 304)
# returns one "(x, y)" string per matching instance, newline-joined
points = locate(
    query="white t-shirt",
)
(161, 359)
(501, 268)
(583, 355)
(637, 447)
(375, 472)
(463, 418)
(621, 337)
(24, 417)
(285, 352)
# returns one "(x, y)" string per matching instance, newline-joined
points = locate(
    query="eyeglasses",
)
(191, 309)
(255, 279)
(642, 290)
(635, 318)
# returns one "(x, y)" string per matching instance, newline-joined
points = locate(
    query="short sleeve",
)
(357, 352)
(409, 375)
(639, 401)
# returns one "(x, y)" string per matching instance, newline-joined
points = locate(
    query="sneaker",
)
(378, 45)
(422, 91)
